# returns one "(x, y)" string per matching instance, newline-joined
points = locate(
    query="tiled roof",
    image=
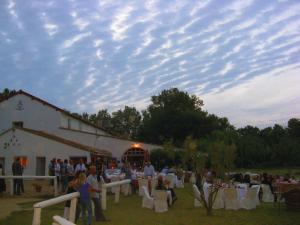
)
(68, 142)
(21, 92)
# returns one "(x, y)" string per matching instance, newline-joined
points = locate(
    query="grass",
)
(130, 212)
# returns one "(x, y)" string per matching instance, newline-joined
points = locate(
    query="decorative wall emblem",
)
(12, 142)
(19, 106)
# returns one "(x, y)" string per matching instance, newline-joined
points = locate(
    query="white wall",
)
(34, 146)
(78, 125)
(114, 145)
(34, 115)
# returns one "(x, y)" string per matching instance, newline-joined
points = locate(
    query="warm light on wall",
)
(136, 145)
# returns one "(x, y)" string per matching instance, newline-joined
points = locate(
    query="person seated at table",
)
(149, 170)
(161, 185)
(246, 180)
(165, 170)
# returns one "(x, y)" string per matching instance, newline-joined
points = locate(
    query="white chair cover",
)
(126, 189)
(180, 182)
(142, 182)
(219, 202)
(250, 201)
(196, 191)
(193, 178)
(231, 198)
(257, 193)
(147, 202)
(160, 201)
(206, 190)
(114, 179)
(170, 178)
(267, 194)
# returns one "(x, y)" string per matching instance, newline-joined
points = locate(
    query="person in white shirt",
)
(93, 182)
(57, 171)
(149, 170)
(80, 167)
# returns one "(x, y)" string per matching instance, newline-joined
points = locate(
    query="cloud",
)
(70, 42)
(228, 67)
(259, 100)
(119, 25)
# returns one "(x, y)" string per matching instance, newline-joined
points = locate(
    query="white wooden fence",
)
(30, 177)
(73, 197)
(116, 184)
(40, 205)
(61, 221)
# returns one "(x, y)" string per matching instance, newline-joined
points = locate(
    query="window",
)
(17, 124)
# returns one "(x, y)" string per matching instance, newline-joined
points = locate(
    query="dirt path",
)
(9, 205)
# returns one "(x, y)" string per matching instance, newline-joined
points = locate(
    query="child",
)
(85, 200)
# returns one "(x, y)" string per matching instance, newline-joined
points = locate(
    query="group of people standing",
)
(83, 178)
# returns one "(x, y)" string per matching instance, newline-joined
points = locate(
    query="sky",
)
(242, 57)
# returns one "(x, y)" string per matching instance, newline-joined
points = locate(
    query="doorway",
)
(2, 162)
(40, 166)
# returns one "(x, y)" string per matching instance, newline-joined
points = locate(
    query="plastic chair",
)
(196, 191)
(257, 193)
(180, 183)
(231, 199)
(219, 202)
(148, 202)
(267, 194)
(160, 201)
(142, 182)
(170, 179)
(250, 200)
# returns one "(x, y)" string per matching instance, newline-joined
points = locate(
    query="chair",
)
(114, 179)
(197, 197)
(257, 193)
(180, 183)
(267, 194)
(170, 179)
(147, 202)
(231, 199)
(126, 189)
(206, 190)
(142, 182)
(160, 201)
(250, 200)
(219, 202)
(193, 178)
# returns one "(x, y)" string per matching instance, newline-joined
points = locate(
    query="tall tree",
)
(174, 115)
(126, 122)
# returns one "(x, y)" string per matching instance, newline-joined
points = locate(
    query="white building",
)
(37, 131)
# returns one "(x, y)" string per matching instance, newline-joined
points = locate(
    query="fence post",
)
(103, 197)
(11, 186)
(55, 187)
(36, 216)
(72, 213)
(117, 193)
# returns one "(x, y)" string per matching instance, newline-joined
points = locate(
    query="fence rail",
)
(73, 198)
(29, 177)
(61, 221)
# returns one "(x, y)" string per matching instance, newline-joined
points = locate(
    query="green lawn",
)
(130, 212)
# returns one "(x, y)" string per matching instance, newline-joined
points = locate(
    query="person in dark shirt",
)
(17, 170)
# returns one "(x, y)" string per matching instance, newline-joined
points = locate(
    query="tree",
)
(6, 93)
(294, 127)
(175, 115)
(125, 123)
